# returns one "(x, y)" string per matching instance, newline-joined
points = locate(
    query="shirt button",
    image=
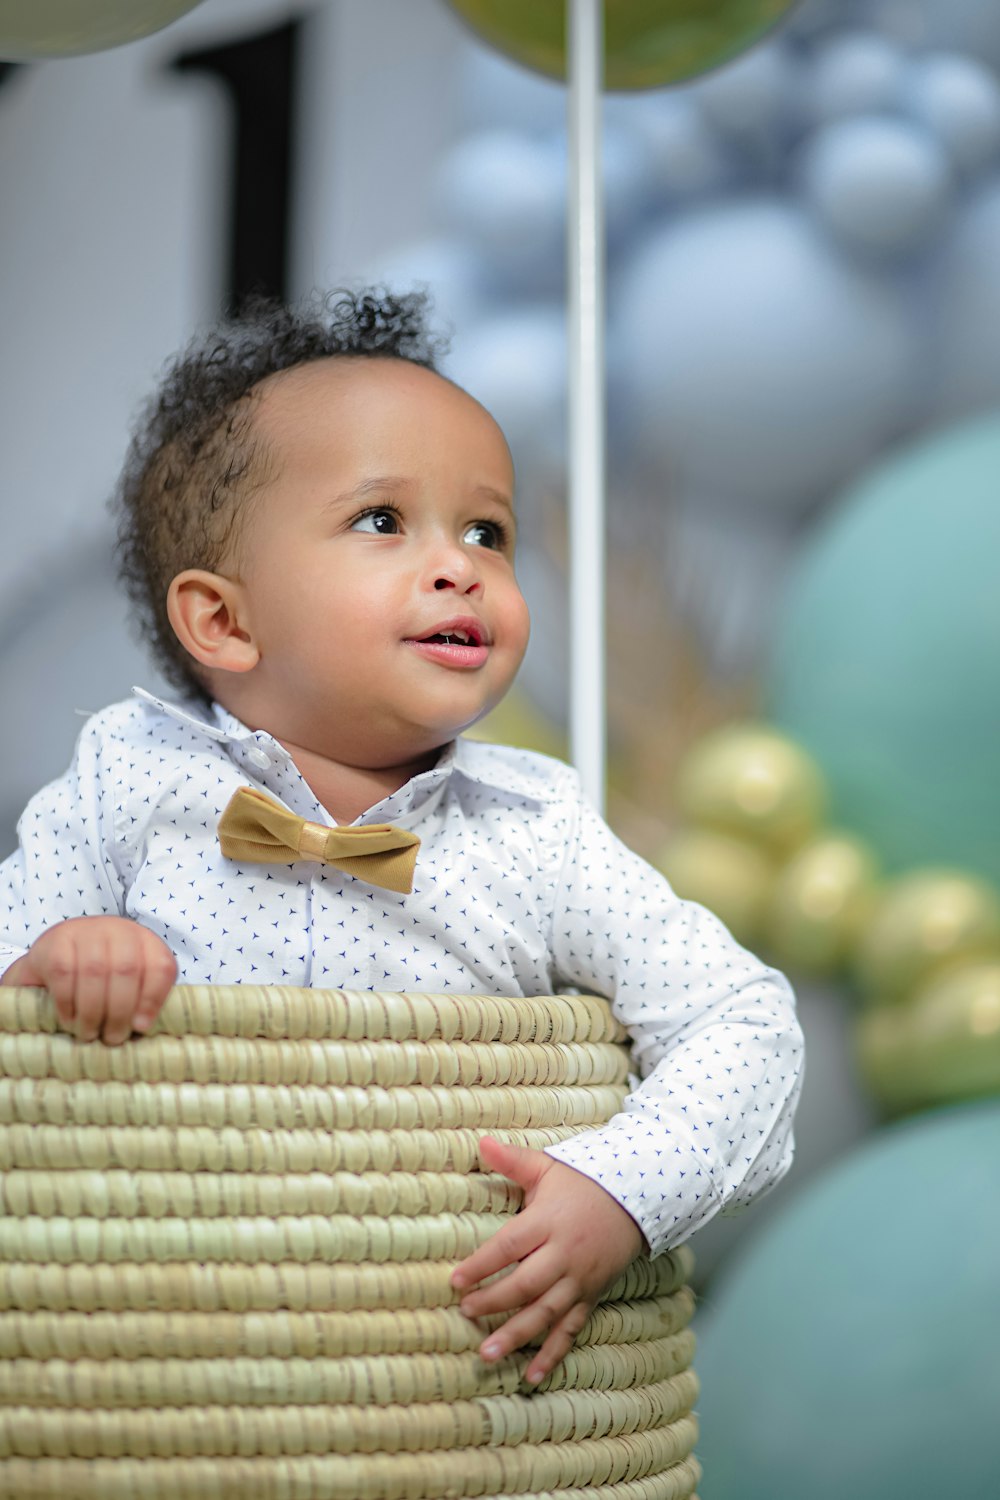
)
(259, 758)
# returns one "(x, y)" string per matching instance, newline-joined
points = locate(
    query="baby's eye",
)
(486, 534)
(381, 520)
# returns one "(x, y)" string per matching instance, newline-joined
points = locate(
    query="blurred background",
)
(804, 527)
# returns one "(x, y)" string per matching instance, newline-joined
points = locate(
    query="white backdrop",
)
(112, 244)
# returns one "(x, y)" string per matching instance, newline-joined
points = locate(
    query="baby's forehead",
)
(377, 414)
(338, 375)
(364, 388)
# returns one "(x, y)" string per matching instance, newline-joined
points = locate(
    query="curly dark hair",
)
(194, 459)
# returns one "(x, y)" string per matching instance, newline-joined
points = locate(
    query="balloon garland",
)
(922, 948)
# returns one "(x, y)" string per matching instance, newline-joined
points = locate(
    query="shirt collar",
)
(256, 753)
(472, 759)
(184, 716)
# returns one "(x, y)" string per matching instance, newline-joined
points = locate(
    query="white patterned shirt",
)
(520, 889)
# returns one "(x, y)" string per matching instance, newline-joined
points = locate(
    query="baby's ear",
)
(208, 612)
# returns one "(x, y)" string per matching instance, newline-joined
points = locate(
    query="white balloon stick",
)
(585, 243)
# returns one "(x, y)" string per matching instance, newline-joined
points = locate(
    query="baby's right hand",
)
(107, 975)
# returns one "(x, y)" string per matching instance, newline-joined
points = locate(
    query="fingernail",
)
(457, 1280)
(491, 1351)
(142, 1023)
(534, 1375)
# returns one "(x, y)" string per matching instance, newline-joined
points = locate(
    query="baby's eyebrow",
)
(486, 492)
(381, 485)
(378, 485)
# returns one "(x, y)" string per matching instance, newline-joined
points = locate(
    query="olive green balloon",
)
(58, 28)
(751, 781)
(647, 43)
(820, 900)
(923, 923)
(728, 875)
(941, 1048)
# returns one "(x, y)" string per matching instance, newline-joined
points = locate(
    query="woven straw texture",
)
(225, 1254)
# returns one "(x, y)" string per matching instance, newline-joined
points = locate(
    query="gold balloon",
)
(58, 28)
(942, 1047)
(923, 923)
(647, 43)
(729, 876)
(820, 900)
(753, 782)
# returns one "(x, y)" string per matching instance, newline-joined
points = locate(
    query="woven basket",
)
(225, 1253)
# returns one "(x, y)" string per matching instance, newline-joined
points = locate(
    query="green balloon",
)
(58, 28)
(647, 43)
(888, 653)
(849, 1347)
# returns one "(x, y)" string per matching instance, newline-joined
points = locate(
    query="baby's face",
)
(378, 560)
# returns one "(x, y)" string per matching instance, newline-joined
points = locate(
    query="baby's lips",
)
(459, 625)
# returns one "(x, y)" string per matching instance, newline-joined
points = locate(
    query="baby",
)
(317, 534)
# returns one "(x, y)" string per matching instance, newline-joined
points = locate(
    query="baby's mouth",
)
(456, 644)
(460, 630)
(451, 638)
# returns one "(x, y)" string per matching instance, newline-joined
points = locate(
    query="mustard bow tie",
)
(255, 827)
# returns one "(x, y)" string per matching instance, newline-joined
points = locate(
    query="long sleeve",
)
(714, 1034)
(63, 866)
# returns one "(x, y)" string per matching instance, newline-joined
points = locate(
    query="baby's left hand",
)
(571, 1240)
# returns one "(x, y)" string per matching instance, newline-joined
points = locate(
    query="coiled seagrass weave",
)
(225, 1253)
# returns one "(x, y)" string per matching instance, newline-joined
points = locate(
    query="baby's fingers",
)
(518, 1238)
(124, 985)
(558, 1344)
(140, 972)
(547, 1312)
(107, 975)
(78, 968)
(534, 1278)
(158, 976)
(51, 962)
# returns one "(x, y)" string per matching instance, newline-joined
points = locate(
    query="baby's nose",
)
(464, 585)
(457, 570)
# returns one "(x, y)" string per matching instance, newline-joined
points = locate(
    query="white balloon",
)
(812, 18)
(497, 94)
(623, 164)
(957, 98)
(854, 73)
(515, 364)
(754, 99)
(761, 368)
(506, 194)
(965, 371)
(683, 155)
(880, 185)
(59, 28)
(969, 26)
